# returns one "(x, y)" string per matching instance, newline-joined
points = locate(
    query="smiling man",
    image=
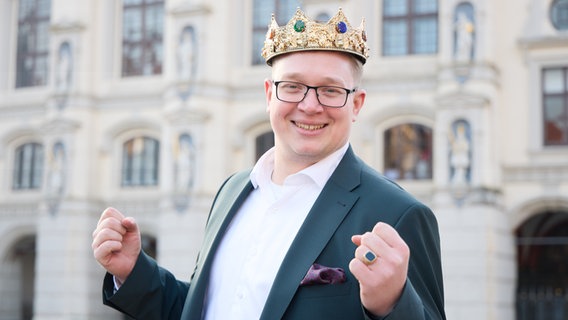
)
(311, 232)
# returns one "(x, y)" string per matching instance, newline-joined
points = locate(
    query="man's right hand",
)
(116, 243)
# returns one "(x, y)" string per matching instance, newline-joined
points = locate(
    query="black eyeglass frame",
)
(347, 91)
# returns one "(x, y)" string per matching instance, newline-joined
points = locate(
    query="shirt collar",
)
(318, 173)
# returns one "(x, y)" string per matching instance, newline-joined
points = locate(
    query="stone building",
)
(148, 105)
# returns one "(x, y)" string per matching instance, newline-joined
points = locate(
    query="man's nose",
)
(310, 102)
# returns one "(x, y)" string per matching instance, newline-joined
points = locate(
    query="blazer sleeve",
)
(149, 292)
(422, 296)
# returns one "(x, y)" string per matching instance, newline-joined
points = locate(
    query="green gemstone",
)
(299, 26)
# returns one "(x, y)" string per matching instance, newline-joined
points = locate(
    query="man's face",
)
(306, 132)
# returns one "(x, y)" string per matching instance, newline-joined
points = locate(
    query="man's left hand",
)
(381, 266)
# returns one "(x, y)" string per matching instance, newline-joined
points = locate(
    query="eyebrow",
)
(327, 80)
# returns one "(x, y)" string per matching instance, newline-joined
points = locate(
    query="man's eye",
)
(290, 86)
(331, 91)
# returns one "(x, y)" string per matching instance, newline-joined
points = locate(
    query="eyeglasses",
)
(329, 96)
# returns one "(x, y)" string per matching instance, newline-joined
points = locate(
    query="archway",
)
(542, 260)
(17, 275)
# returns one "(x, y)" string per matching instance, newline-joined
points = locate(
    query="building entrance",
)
(542, 259)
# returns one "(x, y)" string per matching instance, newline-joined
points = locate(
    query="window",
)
(408, 154)
(28, 167)
(555, 106)
(410, 27)
(559, 14)
(263, 143)
(142, 34)
(140, 158)
(33, 43)
(283, 10)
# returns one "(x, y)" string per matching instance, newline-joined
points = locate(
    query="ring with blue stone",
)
(369, 257)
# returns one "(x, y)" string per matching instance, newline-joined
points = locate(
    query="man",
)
(311, 232)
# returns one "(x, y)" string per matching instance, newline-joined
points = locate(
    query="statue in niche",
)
(186, 54)
(56, 178)
(185, 163)
(410, 152)
(64, 68)
(460, 158)
(464, 28)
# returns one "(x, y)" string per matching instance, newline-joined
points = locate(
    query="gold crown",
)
(303, 34)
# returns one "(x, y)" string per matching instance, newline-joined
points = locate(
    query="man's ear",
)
(358, 102)
(268, 92)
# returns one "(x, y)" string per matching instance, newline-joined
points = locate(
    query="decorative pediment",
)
(189, 9)
(66, 26)
(462, 99)
(60, 126)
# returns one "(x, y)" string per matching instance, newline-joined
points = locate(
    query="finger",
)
(356, 239)
(361, 271)
(105, 249)
(370, 247)
(390, 236)
(375, 243)
(110, 213)
(366, 255)
(106, 234)
(109, 223)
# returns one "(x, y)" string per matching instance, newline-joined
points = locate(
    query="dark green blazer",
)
(354, 199)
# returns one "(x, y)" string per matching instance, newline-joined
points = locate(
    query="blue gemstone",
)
(370, 256)
(341, 27)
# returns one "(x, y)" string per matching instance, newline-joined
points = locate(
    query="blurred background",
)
(148, 105)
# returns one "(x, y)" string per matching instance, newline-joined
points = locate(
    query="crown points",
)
(302, 33)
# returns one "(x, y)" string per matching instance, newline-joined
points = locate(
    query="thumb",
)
(130, 224)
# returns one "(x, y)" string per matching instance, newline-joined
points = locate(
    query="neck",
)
(284, 167)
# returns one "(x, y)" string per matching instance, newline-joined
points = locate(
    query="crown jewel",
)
(303, 34)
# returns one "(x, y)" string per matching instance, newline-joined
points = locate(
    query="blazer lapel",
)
(327, 213)
(228, 201)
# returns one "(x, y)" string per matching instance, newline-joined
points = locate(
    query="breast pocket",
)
(325, 290)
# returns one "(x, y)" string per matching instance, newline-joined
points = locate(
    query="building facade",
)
(148, 105)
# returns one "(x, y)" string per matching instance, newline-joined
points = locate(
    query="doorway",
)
(542, 260)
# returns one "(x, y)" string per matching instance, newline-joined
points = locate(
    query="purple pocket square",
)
(319, 274)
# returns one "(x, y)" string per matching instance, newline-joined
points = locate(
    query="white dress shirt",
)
(258, 238)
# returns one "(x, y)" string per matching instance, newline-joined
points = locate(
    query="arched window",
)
(33, 43)
(263, 142)
(262, 11)
(140, 158)
(559, 14)
(408, 152)
(142, 37)
(28, 167)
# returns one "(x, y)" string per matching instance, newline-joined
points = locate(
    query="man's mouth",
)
(309, 127)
